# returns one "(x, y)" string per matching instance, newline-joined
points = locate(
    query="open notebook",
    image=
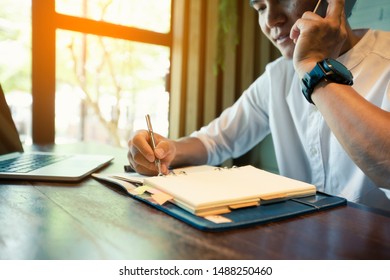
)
(294, 198)
(220, 190)
(207, 190)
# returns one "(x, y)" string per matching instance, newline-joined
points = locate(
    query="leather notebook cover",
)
(239, 218)
(251, 216)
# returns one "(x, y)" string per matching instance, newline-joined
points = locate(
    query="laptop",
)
(44, 166)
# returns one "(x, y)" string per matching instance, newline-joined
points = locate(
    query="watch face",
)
(329, 70)
(338, 68)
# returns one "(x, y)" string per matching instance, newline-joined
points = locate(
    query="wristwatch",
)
(329, 70)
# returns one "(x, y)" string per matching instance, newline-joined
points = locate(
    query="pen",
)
(316, 8)
(153, 142)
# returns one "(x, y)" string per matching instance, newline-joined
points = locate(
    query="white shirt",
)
(305, 147)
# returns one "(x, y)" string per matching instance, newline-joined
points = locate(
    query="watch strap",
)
(310, 80)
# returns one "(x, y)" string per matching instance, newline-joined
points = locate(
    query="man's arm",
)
(189, 151)
(362, 128)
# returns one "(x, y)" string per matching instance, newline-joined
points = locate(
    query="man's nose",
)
(274, 16)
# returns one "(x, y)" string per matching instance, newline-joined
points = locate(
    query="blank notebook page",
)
(228, 186)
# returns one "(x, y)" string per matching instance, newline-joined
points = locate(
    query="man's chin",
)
(287, 53)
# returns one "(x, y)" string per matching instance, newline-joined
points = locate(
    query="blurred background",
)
(104, 85)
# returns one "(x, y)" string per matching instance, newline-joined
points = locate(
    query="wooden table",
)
(91, 220)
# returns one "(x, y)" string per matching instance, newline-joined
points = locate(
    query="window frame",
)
(45, 22)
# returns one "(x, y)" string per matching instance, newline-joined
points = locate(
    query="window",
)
(151, 15)
(109, 84)
(102, 64)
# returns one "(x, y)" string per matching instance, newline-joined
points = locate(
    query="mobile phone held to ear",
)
(348, 7)
(320, 8)
(322, 5)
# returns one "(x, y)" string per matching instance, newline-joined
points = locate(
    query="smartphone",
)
(322, 5)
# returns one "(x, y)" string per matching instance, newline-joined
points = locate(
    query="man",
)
(334, 135)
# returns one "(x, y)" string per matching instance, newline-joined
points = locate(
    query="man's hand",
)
(142, 158)
(317, 38)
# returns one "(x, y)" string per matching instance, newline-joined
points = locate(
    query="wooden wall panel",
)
(195, 77)
(198, 92)
(178, 75)
(211, 89)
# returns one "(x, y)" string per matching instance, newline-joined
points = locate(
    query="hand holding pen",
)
(150, 152)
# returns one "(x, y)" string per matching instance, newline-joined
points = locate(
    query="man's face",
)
(276, 17)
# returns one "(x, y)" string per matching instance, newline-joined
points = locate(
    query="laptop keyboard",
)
(28, 162)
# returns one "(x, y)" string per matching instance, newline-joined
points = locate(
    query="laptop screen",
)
(9, 136)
